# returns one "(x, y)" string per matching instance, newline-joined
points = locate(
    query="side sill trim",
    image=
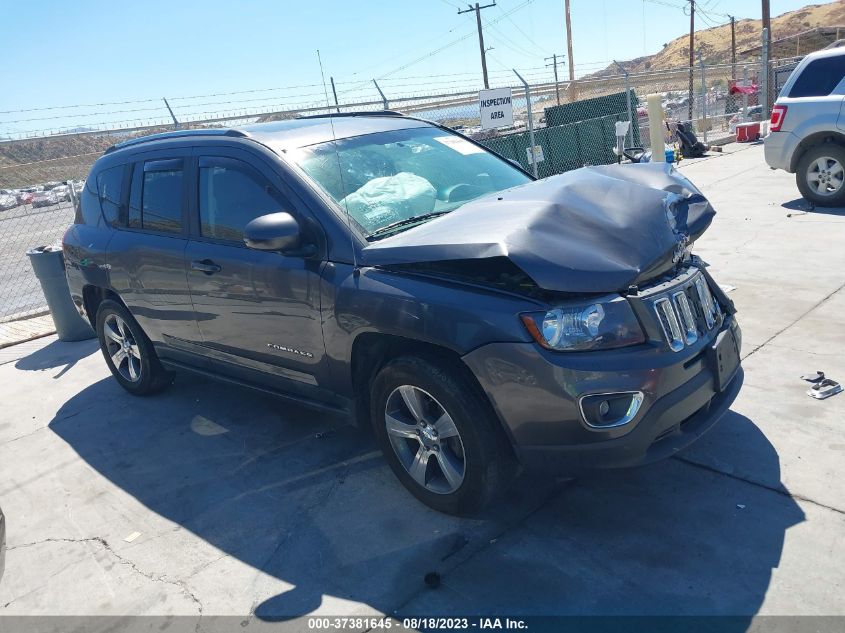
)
(307, 402)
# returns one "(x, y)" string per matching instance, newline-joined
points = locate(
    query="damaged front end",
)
(590, 231)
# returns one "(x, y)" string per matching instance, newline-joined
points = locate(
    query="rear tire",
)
(443, 443)
(821, 175)
(129, 354)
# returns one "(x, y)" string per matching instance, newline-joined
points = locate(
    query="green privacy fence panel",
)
(578, 134)
(503, 145)
(565, 147)
(594, 108)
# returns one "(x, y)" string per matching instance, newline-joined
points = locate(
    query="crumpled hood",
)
(594, 229)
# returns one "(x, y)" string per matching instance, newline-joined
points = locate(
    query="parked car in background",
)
(407, 276)
(752, 113)
(44, 198)
(62, 193)
(25, 194)
(8, 201)
(807, 131)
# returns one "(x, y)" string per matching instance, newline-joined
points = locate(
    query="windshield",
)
(388, 178)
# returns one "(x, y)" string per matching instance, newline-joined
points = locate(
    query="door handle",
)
(206, 265)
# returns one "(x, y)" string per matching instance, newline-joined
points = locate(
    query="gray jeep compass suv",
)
(386, 267)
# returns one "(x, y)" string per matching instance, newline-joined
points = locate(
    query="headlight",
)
(601, 324)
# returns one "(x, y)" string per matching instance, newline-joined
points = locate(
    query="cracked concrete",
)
(290, 513)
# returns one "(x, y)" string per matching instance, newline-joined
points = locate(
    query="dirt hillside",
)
(715, 43)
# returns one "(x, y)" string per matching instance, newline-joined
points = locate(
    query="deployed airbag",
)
(594, 229)
(390, 199)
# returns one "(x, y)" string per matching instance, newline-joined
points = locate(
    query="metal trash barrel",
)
(48, 263)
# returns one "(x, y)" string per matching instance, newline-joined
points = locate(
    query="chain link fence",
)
(574, 125)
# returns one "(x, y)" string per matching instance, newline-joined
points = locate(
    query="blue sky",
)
(103, 52)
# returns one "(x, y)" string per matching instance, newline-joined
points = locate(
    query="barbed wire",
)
(408, 88)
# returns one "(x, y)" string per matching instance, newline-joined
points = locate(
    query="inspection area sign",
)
(496, 108)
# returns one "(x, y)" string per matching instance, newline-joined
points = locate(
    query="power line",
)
(685, 8)
(511, 45)
(445, 46)
(517, 27)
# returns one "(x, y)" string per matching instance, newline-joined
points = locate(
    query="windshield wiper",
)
(412, 220)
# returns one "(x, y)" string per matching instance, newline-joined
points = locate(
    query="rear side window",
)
(231, 194)
(109, 187)
(155, 200)
(819, 78)
(88, 212)
(100, 197)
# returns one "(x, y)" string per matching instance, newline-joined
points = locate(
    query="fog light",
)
(606, 410)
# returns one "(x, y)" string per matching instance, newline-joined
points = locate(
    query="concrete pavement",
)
(211, 500)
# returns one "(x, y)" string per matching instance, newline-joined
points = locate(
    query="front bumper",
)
(778, 148)
(536, 395)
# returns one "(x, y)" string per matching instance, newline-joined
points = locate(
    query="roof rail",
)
(356, 113)
(175, 134)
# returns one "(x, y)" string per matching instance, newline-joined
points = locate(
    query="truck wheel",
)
(438, 435)
(128, 352)
(821, 175)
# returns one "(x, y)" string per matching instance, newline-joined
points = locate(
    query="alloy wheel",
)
(122, 347)
(425, 439)
(825, 176)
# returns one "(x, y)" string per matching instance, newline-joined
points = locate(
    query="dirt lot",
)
(210, 500)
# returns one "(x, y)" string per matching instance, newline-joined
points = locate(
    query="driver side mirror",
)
(276, 232)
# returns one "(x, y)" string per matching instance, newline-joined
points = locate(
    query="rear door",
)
(258, 312)
(147, 254)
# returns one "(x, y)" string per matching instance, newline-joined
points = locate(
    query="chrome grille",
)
(669, 323)
(705, 298)
(688, 325)
(685, 310)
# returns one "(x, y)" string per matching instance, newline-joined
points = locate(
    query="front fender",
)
(448, 314)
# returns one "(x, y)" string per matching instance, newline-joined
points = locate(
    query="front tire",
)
(439, 435)
(821, 175)
(128, 352)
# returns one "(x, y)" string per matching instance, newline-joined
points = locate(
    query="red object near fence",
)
(747, 132)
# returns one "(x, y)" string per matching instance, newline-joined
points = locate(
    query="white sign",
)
(496, 108)
(538, 154)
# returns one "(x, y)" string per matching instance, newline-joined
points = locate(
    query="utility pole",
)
(733, 46)
(477, 10)
(767, 54)
(704, 122)
(557, 83)
(767, 24)
(691, 52)
(569, 44)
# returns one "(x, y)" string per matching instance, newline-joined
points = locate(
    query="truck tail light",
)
(778, 115)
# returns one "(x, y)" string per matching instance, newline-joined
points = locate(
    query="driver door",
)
(258, 312)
